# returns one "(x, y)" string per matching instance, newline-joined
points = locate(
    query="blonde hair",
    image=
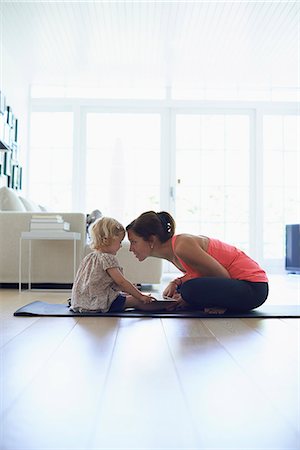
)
(103, 231)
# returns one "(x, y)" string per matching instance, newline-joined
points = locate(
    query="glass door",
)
(123, 163)
(281, 182)
(51, 159)
(212, 176)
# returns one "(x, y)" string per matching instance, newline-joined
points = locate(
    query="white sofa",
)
(52, 261)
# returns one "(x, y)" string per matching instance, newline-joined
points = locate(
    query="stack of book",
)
(48, 222)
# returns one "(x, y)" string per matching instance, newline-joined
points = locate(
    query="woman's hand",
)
(170, 290)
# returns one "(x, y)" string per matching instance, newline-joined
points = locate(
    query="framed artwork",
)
(16, 130)
(9, 116)
(14, 151)
(15, 176)
(7, 163)
(20, 177)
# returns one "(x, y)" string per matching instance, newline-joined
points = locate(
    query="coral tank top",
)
(236, 262)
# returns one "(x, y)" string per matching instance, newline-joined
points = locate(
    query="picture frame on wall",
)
(15, 177)
(7, 163)
(20, 177)
(9, 181)
(14, 151)
(9, 116)
(16, 131)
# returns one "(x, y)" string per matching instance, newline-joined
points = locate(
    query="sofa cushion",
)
(9, 200)
(29, 205)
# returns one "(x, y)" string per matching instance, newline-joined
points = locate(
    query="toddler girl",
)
(99, 283)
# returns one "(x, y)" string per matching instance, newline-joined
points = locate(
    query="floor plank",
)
(271, 361)
(227, 408)
(143, 406)
(57, 408)
(11, 300)
(25, 355)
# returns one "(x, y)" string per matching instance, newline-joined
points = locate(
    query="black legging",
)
(236, 295)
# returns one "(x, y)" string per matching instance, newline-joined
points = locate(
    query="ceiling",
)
(153, 43)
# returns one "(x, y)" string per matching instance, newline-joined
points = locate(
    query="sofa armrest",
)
(51, 260)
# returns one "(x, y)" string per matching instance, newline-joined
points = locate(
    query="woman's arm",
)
(188, 248)
(127, 286)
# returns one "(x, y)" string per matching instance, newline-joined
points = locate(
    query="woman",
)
(217, 276)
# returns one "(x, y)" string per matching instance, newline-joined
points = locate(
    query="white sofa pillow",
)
(9, 201)
(29, 205)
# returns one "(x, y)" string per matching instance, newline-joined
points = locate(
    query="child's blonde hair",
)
(103, 231)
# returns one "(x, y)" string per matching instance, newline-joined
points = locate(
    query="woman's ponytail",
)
(150, 223)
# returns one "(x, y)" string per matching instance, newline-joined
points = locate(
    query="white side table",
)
(48, 235)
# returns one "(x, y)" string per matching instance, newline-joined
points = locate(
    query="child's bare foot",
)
(215, 310)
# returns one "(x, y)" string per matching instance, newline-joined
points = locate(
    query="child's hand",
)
(147, 299)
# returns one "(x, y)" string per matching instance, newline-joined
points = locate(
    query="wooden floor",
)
(149, 384)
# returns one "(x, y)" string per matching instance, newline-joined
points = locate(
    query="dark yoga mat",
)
(62, 310)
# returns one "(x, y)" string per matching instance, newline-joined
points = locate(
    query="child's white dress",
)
(93, 289)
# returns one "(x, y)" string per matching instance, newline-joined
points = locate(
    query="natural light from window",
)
(50, 159)
(212, 173)
(123, 164)
(281, 180)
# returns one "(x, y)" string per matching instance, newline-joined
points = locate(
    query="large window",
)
(51, 158)
(281, 200)
(123, 164)
(212, 175)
